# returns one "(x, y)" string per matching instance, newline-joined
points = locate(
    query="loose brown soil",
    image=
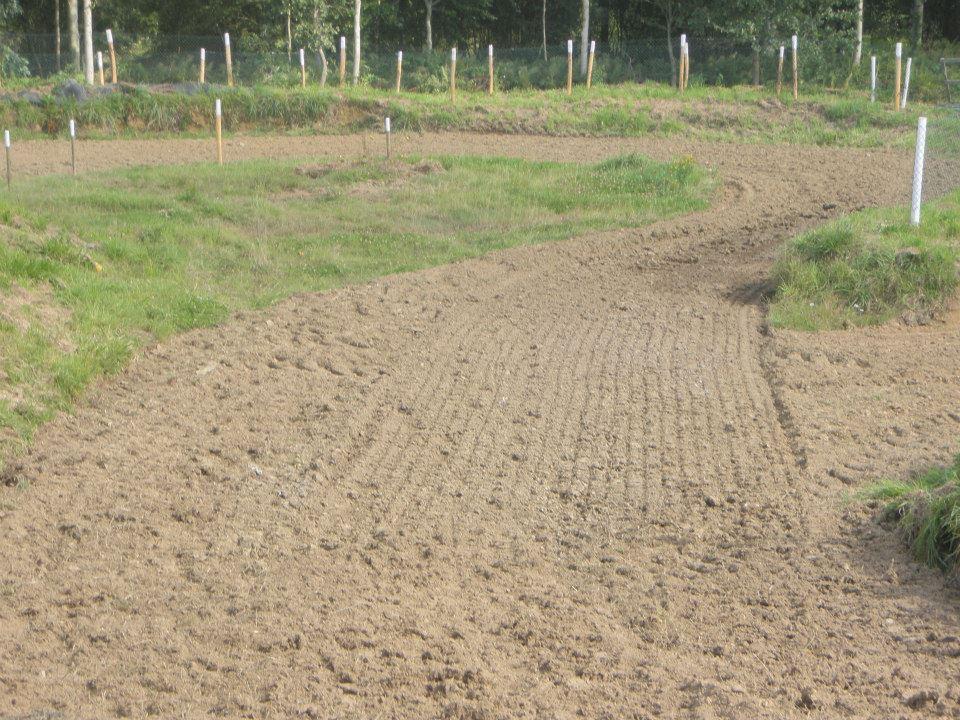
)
(578, 479)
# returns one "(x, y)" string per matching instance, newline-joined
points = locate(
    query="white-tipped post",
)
(399, 70)
(342, 70)
(490, 69)
(73, 147)
(6, 149)
(218, 119)
(873, 78)
(795, 62)
(898, 69)
(100, 67)
(113, 56)
(917, 195)
(303, 68)
(453, 73)
(590, 59)
(386, 131)
(203, 65)
(569, 67)
(229, 57)
(906, 84)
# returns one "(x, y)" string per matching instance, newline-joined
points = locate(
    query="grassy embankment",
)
(741, 114)
(92, 269)
(868, 268)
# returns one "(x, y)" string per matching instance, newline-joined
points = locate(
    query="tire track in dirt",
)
(588, 505)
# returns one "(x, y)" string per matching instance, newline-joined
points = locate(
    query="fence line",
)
(714, 62)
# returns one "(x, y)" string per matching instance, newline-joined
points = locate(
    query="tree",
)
(916, 24)
(88, 41)
(356, 41)
(73, 18)
(428, 4)
(584, 36)
(544, 26)
(56, 31)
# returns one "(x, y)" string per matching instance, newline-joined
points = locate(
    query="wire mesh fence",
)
(713, 62)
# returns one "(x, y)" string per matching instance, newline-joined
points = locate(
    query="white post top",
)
(453, 53)
(386, 125)
(303, 59)
(898, 51)
(569, 47)
(683, 39)
(490, 50)
(226, 39)
(109, 36)
(6, 138)
(781, 52)
(793, 40)
(73, 128)
(343, 42)
(217, 110)
(399, 54)
(203, 53)
(100, 59)
(593, 46)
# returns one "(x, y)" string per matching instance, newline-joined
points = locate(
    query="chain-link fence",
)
(713, 61)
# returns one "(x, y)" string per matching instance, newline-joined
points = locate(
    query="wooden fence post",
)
(780, 71)
(593, 51)
(897, 76)
(796, 77)
(113, 56)
(490, 69)
(226, 48)
(453, 73)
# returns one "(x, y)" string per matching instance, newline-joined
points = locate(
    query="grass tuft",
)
(926, 509)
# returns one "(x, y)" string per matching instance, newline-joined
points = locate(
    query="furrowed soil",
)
(581, 479)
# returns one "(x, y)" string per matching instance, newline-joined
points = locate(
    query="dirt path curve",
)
(559, 481)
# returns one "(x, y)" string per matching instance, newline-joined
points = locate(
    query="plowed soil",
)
(575, 480)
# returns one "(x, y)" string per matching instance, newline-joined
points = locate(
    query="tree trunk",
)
(356, 41)
(428, 4)
(56, 31)
(323, 67)
(858, 48)
(74, 29)
(289, 36)
(668, 25)
(88, 41)
(916, 24)
(320, 52)
(544, 25)
(585, 37)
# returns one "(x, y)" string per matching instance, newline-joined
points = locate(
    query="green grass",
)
(926, 509)
(868, 268)
(740, 114)
(92, 268)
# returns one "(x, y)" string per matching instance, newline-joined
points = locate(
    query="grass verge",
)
(868, 268)
(926, 509)
(92, 269)
(735, 114)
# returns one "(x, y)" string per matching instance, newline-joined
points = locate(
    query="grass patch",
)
(709, 113)
(868, 268)
(926, 510)
(92, 269)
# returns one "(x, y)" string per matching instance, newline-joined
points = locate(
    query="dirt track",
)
(578, 479)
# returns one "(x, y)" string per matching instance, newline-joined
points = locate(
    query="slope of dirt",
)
(577, 479)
